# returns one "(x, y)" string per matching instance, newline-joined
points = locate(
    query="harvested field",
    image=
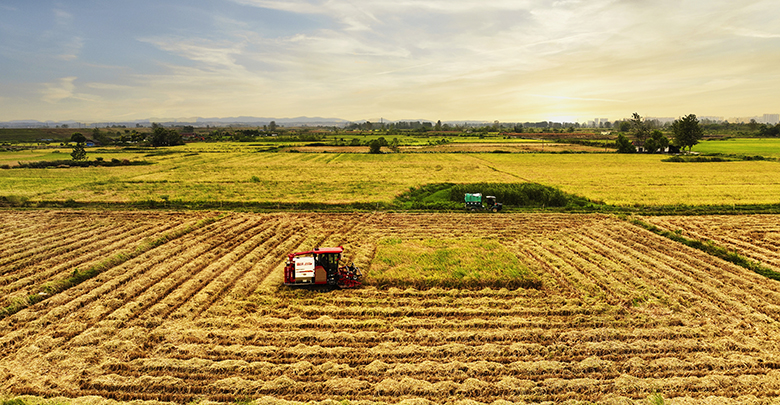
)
(619, 313)
(754, 236)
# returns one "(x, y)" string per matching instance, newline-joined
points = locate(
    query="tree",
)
(624, 145)
(100, 137)
(656, 142)
(79, 153)
(165, 137)
(375, 147)
(766, 130)
(687, 131)
(437, 127)
(272, 126)
(640, 129)
(394, 145)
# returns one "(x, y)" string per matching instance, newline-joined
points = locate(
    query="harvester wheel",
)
(495, 209)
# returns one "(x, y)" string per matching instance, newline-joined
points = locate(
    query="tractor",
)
(474, 203)
(320, 269)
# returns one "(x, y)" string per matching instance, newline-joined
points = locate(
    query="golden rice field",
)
(189, 308)
(238, 173)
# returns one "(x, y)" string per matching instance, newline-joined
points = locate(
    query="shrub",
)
(520, 194)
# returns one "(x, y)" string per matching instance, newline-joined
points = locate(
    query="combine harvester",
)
(319, 269)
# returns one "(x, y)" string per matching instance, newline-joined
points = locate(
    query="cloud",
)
(578, 98)
(212, 53)
(65, 89)
(751, 33)
(59, 90)
(71, 48)
(109, 86)
(502, 59)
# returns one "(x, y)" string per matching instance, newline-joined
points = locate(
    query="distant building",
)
(661, 120)
(772, 119)
(599, 122)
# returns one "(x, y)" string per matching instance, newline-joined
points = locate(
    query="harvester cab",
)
(320, 268)
(474, 203)
(492, 205)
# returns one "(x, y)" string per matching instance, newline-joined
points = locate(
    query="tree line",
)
(686, 132)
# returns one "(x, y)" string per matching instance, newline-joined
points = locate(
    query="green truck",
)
(474, 203)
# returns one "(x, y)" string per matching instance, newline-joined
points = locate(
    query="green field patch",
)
(526, 195)
(46, 164)
(713, 157)
(471, 263)
(767, 147)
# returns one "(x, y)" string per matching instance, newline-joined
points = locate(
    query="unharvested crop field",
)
(189, 306)
(237, 173)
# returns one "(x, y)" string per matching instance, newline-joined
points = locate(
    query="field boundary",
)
(17, 203)
(711, 248)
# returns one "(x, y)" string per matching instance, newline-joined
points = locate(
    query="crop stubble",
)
(621, 312)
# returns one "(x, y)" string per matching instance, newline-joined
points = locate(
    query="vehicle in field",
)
(319, 268)
(474, 203)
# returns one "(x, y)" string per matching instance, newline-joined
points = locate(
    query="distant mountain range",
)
(197, 121)
(213, 121)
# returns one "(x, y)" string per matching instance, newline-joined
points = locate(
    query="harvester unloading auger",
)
(319, 268)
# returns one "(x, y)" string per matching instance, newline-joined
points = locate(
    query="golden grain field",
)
(235, 173)
(620, 313)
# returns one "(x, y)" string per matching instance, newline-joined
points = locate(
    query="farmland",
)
(235, 173)
(188, 306)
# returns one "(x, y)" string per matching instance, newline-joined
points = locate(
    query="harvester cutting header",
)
(320, 267)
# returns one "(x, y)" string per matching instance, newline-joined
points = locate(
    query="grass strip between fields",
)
(79, 276)
(712, 249)
(17, 202)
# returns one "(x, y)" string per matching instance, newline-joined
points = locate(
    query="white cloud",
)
(751, 33)
(448, 59)
(65, 89)
(59, 90)
(71, 49)
(212, 53)
(108, 86)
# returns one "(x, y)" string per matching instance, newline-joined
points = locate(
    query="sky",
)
(449, 60)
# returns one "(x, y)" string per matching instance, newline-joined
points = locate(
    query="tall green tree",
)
(375, 146)
(624, 144)
(639, 128)
(687, 131)
(79, 153)
(162, 136)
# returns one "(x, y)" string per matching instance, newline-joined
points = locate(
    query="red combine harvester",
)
(320, 268)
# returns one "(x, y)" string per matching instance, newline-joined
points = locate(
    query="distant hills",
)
(211, 121)
(196, 121)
